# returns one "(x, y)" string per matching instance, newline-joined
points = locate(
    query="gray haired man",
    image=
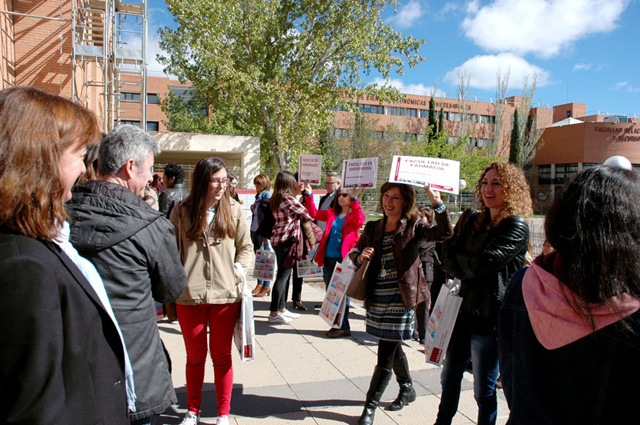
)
(133, 247)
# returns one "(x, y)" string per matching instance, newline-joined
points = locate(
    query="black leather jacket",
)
(171, 197)
(485, 260)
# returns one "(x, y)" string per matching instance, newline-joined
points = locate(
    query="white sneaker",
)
(279, 318)
(290, 314)
(191, 419)
(223, 420)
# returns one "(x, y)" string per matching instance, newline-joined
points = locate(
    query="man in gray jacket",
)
(134, 249)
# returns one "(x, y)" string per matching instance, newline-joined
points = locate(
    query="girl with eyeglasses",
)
(344, 219)
(212, 235)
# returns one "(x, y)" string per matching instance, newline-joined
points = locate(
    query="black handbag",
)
(265, 227)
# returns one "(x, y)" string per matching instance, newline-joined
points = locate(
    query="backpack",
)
(265, 228)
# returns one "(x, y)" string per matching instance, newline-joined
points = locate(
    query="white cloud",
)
(541, 27)
(625, 86)
(482, 71)
(417, 89)
(582, 66)
(407, 15)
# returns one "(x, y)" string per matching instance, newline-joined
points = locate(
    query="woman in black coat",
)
(62, 360)
(489, 245)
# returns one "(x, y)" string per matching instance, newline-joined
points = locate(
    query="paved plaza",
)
(300, 376)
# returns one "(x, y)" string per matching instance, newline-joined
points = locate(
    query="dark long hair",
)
(594, 225)
(196, 202)
(285, 185)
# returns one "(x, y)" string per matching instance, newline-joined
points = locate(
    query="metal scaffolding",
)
(110, 59)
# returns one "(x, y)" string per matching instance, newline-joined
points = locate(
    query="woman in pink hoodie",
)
(569, 333)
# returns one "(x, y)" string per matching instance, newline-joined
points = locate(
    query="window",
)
(409, 112)
(151, 125)
(487, 119)
(395, 111)
(454, 116)
(569, 114)
(130, 97)
(372, 109)
(408, 137)
(483, 143)
(152, 98)
(341, 133)
(544, 174)
(375, 135)
(423, 113)
(564, 172)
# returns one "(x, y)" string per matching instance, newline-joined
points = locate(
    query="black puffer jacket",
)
(134, 249)
(485, 260)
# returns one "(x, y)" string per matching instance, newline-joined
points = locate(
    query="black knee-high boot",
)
(407, 393)
(379, 382)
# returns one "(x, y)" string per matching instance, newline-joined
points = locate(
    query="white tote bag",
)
(442, 321)
(244, 333)
(334, 304)
(266, 265)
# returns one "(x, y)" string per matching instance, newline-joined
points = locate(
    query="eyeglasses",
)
(219, 182)
(335, 182)
(343, 195)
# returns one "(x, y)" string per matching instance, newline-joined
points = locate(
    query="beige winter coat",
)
(211, 276)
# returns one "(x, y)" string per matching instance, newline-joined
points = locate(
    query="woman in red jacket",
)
(344, 219)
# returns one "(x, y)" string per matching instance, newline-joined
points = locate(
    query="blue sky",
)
(584, 51)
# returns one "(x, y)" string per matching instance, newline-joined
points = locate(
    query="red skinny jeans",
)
(193, 323)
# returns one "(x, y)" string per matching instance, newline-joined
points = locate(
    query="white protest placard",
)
(443, 174)
(361, 172)
(310, 169)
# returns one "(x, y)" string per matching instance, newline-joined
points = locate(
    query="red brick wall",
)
(7, 55)
(43, 47)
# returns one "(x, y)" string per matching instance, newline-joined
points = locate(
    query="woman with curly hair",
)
(487, 248)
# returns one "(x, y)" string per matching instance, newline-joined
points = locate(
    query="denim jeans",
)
(482, 350)
(327, 271)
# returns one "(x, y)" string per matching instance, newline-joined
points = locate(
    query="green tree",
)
(278, 68)
(329, 148)
(441, 121)
(432, 121)
(514, 149)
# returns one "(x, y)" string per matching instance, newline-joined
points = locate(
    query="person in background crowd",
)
(62, 359)
(157, 183)
(262, 182)
(150, 197)
(570, 323)
(286, 235)
(395, 285)
(133, 248)
(233, 182)
(332, 184)
(173, 181)
(344, 220)
(488, 247)
(427, 251)
(91, 164)
(546, 247)
(213, 234)
(297, 282)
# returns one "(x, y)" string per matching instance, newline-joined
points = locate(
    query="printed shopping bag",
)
(334, 304)
(266, 266)
(308, 267)
(244, 332)
(442, 320)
